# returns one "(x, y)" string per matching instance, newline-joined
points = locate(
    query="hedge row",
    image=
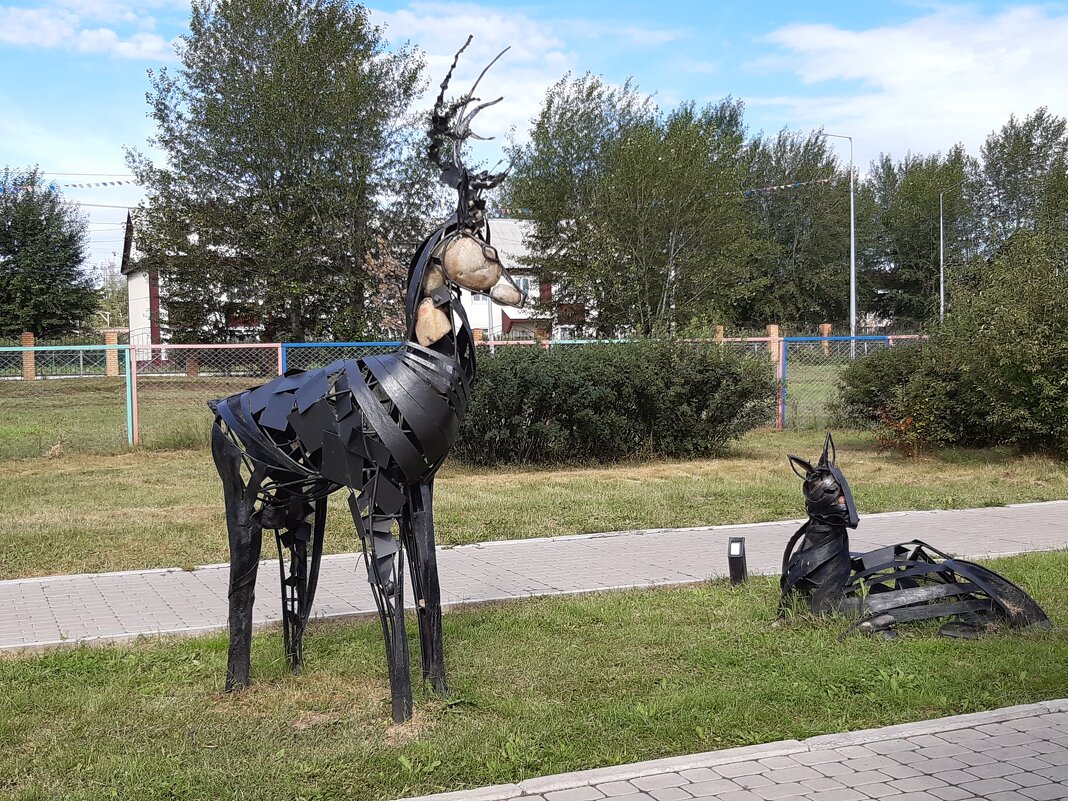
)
(606, 402)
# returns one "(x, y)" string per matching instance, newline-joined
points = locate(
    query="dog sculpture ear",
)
(829, 456)
(797, 462)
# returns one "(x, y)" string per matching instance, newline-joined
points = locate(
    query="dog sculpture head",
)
(828, 498)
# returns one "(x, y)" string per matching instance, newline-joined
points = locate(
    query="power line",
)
(95, 174)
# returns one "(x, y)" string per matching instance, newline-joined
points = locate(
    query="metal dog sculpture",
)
(891, 585)
(378, 427)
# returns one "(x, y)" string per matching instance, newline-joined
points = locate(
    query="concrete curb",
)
(710, 759)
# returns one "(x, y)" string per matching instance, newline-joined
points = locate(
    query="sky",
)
(894, 76)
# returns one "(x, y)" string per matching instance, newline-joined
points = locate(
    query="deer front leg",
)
(417, 531)
(245, 537)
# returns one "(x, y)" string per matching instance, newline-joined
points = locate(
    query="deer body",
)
(378, 427)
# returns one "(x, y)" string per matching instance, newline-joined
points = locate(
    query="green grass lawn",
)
(538, 686)
(84, 512)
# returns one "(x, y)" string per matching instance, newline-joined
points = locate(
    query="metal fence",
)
(103, 398)
(809, 370)
(173, 384)
(65, 398)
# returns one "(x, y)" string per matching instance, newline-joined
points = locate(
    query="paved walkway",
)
(56, 610)
(1013, 754)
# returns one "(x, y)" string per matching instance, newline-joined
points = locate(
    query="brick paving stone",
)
(822, 783)
(732, 769)
(987, 786)
(1007, 795)
(880, 790)
(1055, 773)
(699, 775)
(610, 789)
(712, 787)
(658, 780)
(818, 757)
(845, 794)
(951, 793)
(736, 795)
(775, 792)
(1046, 792)
(778, 762)
(794, 774)
(575, 794)
(918, 783)
(670, 794)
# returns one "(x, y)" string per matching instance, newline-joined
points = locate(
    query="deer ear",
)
(797, 462)
(829, 455)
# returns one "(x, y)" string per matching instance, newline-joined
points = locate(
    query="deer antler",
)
(450, 127)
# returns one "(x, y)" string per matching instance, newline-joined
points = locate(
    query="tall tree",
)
(634, 212)
(1018, 160)
(286, 149)
(558, 175)
(801, 273)
(43, 244)
(905, 258)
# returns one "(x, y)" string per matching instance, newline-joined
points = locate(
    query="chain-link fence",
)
(175, 382)
(313, 355)
(103, 398)
(810, 369)
(63, 399)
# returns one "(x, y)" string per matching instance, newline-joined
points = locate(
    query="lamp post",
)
(942, 254)
(852, 254)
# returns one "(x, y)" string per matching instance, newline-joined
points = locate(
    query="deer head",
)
(828, 498)
(464, 256)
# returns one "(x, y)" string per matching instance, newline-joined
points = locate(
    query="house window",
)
(480, 297)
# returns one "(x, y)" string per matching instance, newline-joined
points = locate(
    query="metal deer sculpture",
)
(890, 585)
(378, 427)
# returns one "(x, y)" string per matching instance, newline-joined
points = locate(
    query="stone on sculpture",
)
(896, 584)
(470, 263)
(377, 427)
(431, 323)
(507, 295)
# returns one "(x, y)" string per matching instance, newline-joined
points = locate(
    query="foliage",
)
(801, 249)
(1018, 160)
(43, 244)
(996, 373)
(611, 402)
(635, 213)
(905, 255)
(289, 167)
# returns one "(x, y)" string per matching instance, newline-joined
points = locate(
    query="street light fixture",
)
(852, 254)
(942, 254)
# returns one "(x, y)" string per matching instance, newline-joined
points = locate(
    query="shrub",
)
(605, 402)
(996, 373)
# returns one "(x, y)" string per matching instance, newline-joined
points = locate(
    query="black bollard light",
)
(736, 560)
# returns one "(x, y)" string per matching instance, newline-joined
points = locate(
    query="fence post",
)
(29, 361)
(132, 434)
(825, 331)
(719, 333)
(780, 371)
(774, 349)
(111, 355)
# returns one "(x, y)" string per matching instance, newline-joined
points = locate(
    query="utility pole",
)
(852, 253)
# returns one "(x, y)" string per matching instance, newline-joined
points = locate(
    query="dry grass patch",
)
(164, 508)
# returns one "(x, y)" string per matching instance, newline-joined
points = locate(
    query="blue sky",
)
(896, 76)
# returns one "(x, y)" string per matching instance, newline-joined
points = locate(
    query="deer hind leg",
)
(417, 533)
(384, 557)
(245, 536)
(301, 579)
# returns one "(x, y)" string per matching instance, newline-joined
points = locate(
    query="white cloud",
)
(950, 76)
(75, 25)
